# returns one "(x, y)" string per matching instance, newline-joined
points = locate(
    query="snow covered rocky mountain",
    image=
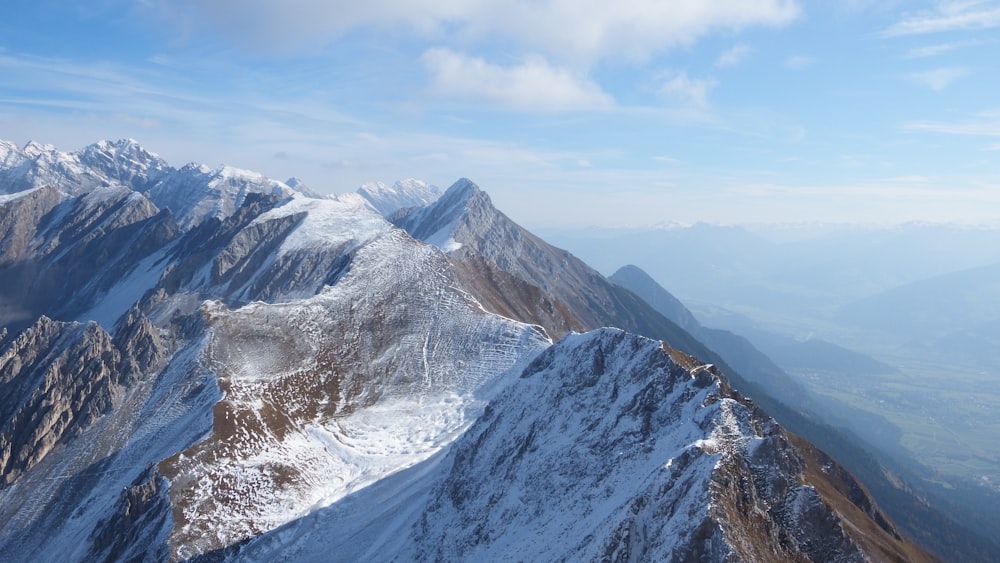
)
(206, 363)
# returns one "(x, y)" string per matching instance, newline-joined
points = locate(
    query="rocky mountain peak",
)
(125, 162)
(34, 149)
(10, 154)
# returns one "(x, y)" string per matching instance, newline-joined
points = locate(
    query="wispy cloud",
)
(799, 62)
(566, 29)
(733, 56)
(532, 85)
(939, 78)
(983, 125)
(665, 159)
(939, 49)
(963, 15)
(688, 91)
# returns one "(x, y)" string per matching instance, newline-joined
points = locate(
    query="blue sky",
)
(568, 112)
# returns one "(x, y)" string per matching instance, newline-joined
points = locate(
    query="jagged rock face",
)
(608, 449)
(362, 323)
(57, 260)
(195, 192)
(58, 378)
(138, 526)
(481, 241)
(38, 165)
(125, 162)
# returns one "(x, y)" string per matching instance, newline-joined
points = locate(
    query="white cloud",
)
(733, 56)
(983, 126)
(938, 79)
(799, 62)
(961, 15)
(939, 49)
(690, 91)
(572, 30)
(531, 85)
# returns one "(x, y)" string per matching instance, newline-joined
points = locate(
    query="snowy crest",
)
(404, 194)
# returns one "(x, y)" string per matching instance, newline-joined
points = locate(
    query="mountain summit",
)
(205, 363)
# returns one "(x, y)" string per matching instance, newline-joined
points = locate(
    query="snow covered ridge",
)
(608, 446)
(404, 194)
(305, 348)
(193, 192)
(279, 377)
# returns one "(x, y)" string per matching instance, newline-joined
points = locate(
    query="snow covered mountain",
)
(201, 363)
(404, 194)
(609, 446)
(193, 192)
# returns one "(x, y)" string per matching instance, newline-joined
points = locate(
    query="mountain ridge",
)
(273, 341)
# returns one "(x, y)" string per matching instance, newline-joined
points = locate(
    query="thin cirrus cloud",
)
(939, 78)
(691, 92)
(733, 56)
(948, 16)
(939, 49)
(985, 125)
(530, 85)
(582, 31)
(799, 62)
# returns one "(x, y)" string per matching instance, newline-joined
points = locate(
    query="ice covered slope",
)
(608, 447)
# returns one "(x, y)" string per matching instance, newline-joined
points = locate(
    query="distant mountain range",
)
(208, 364)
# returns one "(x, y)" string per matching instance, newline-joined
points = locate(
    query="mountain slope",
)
(263, 355)
(485, 243)
(58, 254)
(932, 308)
(613, 447)
(288, 340)
(887, 469)
(482, 242)
(404, 194)
(744, 356)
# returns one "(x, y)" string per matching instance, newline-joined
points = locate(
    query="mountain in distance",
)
(747, 359)
(785, 275)
(403, 194)
(248, 369)
(811, 354)
(884, 465)
(947, 309)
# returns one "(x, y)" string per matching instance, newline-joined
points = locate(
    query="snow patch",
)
(328, 223)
